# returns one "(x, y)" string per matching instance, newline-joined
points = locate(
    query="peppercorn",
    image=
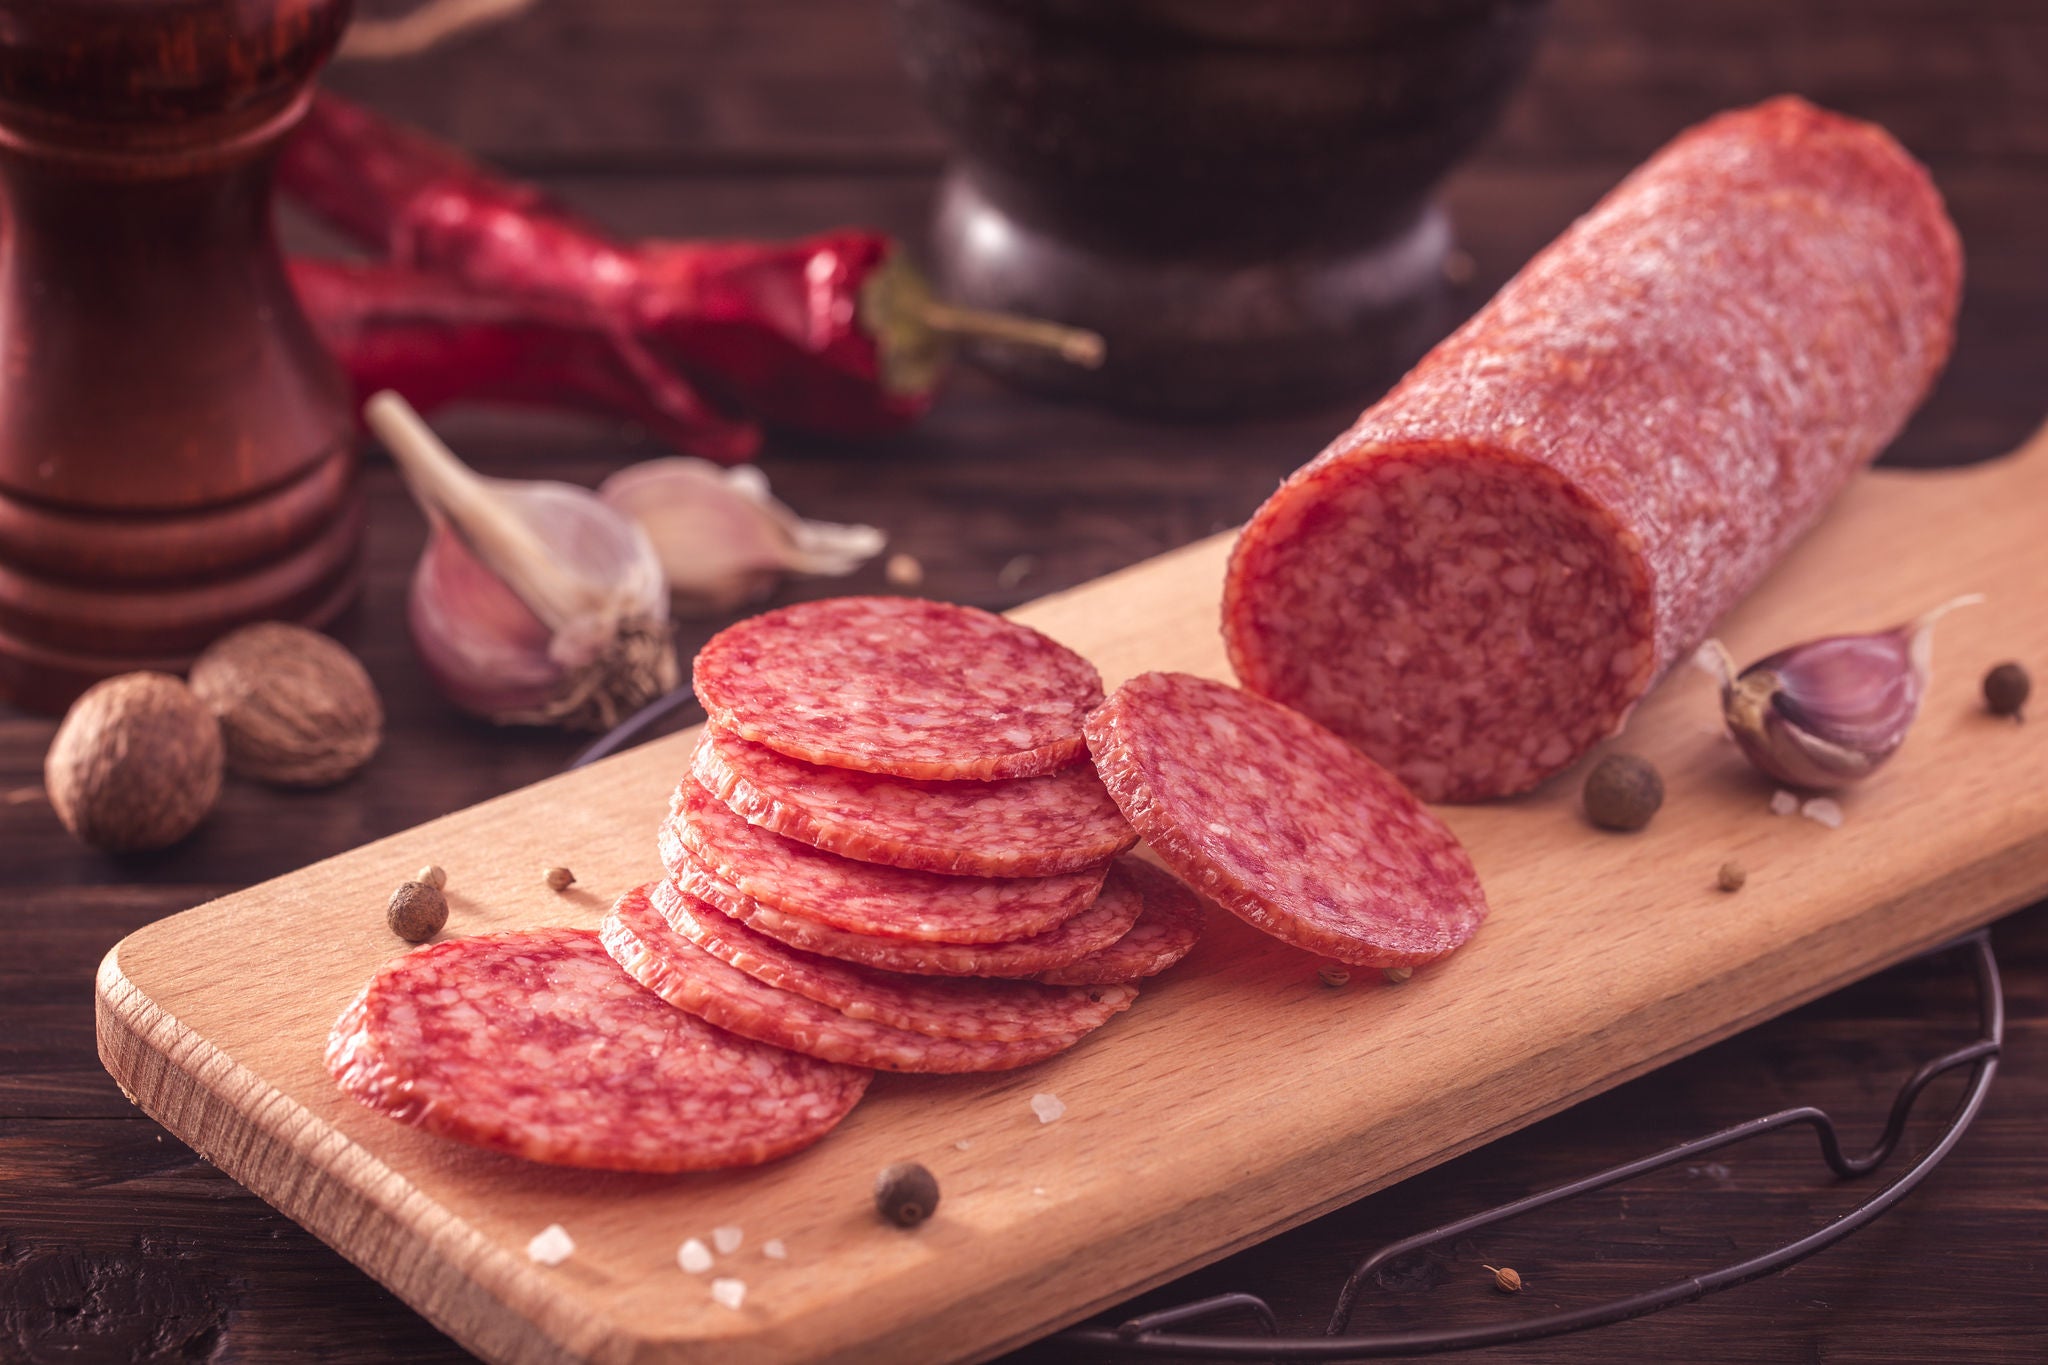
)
(1505, 1279)
(1731, 876)
(417, 911)
(2006, 689)
(433, 876)
(1623, 792)
(906, 1194)
(559, 878)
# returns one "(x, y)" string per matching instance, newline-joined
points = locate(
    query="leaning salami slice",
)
(1282, 823)
(984, 1011)
(536, 1044)
(1166, 931)
(1091, 931)
(866, 898)
(1481, 578)
(899, 685)
(1011, 827)
(691, 979)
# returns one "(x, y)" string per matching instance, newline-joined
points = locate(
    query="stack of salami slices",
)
(891, 851)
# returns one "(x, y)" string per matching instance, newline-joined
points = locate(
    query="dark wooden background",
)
(752, 117)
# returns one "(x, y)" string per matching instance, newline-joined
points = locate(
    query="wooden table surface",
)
(746, 117)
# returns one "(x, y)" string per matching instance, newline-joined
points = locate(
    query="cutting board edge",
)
(175, 1076)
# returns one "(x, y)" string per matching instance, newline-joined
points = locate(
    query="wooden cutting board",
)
(1238, 1097)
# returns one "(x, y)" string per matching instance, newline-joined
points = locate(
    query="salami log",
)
(988, 1011)
(686, 976)
(1284, 824)
(865, 898)
(536, 1044)
(1010, 827)
(1481, 578)
(899, 685)
(1094, 929)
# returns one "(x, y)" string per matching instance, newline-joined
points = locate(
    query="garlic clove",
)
(1828, 712)
(722, 537)
(534, 602)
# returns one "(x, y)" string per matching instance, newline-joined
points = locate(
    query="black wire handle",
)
(634, 728)
(1147, 1334)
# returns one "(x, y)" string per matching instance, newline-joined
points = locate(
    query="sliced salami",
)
(1166, 931)
(1009, 827)
(534, 1043)
(1482, 577)
(866, 898)
(983, 1011)
(1094, 929)
(686, 976)
(899, 685)
(1284, 824)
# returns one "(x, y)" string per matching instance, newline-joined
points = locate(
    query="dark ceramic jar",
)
(1234, 192)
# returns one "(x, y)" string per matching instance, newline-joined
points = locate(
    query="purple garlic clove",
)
(1828, 713)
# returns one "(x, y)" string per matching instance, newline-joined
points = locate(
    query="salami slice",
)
(536, 1044)
(1166, 931)
(866, 898)
(983, 1011)
(1091, 931)
(899, 685)
(686, 976)
(1282, 823)
(1010, 827)
(1481, 578)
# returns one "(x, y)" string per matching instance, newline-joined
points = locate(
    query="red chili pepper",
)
(834, 334)
(435, 340)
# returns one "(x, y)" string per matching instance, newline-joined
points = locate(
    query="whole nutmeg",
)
(135, 765)
(295, 708)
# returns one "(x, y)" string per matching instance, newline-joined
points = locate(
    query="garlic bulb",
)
(722, 538)
(1829, 712)
(534, 603)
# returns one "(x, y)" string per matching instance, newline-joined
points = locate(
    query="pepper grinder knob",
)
(177, 451)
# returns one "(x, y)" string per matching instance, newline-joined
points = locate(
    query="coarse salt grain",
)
(774, 1250)
(694, 1257)
(727, 1239)
(962, 1144)
(552, 1245)
(729, 1293)
(1047, 1107)
(1823, 811)
(1783, 803)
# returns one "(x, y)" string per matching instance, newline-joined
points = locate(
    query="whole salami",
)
(1481, 578)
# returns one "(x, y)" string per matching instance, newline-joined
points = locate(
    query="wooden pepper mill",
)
(176, 450)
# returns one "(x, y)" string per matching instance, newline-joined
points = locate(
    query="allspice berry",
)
(417, 911)
(1623, 792)
(906, 1193)
(135, 765)
(296, 709)
(2006, 689)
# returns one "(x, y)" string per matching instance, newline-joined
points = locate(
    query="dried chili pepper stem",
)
(1076, 345)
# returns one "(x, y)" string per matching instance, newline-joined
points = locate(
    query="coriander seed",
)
(559, 878)
(1731, 876)
(417, 911)
(906, 1194)
(1396, 975)
(1505, 1279)
(433, 876)
(1333, 974)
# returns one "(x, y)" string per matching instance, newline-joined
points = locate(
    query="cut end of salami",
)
(535, 1044)
(1481, 578)
(1284, 824)
(900, 685)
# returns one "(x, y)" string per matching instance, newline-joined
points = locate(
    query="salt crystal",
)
(552, 1245)
(1047, 1107)
(1822, 811)
(729, 1293)
(903, 571)
(1038, 1190)
(1783, 803)
(726, 1239)
(694, 1257)
(963, 1144)
(774, 1250)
